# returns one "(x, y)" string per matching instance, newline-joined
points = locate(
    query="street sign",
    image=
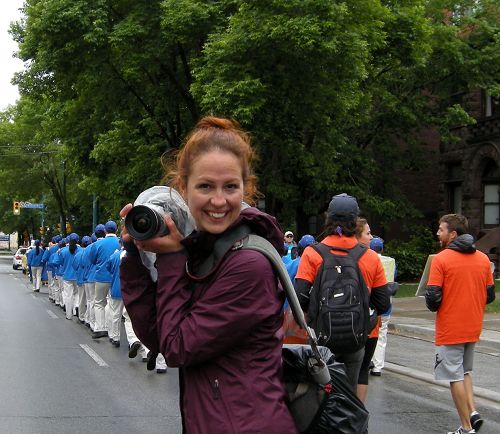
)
(31, 205)
(4, 238)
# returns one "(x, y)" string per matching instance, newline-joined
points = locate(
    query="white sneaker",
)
(460, 430)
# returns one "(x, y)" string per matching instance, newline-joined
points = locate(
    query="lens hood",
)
(144, 222)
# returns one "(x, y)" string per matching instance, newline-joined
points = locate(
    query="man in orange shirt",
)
(460, 285)
(340, 228)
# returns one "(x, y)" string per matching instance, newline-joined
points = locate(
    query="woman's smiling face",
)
(214, 190)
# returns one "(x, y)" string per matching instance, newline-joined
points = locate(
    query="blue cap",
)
(93, 238)
(86, 241)
(110, 227)
(377, 244)
(74, 237)
(343, 208)
(57, 238)
(100, 228)
(37, 243)
(306, 240)
(61, 243)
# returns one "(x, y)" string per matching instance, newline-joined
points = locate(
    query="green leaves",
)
(335, 94)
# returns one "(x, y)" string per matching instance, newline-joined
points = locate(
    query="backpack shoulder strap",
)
(357, 251)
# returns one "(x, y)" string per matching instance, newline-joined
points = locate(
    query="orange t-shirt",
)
(369, 264)
(463, 278)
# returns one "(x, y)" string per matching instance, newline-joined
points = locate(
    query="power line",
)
(29, 154)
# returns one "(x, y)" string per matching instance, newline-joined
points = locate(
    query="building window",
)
(491, 106)
(454, 187)
(491, 205)
(456, 198)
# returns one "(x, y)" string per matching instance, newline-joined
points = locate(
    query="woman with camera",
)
(223, 332)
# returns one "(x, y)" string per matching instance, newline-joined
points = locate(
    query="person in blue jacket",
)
(115, 301)
(55, 261)
(34, 260)
(53, 247)
(70, 288)
(80, 268)
(101, 252)
(99, 233)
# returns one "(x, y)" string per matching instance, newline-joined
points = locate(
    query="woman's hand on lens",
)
(165, 244)
(123, 213)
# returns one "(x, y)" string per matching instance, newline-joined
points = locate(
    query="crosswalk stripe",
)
(94, 355)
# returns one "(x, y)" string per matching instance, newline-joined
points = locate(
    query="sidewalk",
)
(411, 318)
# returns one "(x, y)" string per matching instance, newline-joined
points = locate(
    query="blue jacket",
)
(54, 261)
(113, 268)
(103, 249)
(79, 266)
(67, 270)
(33, 259)
(90, 268)
(48, 254)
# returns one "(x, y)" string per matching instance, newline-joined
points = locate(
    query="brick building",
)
(470, 169)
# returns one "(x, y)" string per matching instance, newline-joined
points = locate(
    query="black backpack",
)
(339, 301)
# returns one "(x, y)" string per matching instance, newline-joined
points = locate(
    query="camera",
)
(145, 221)
(147, 218)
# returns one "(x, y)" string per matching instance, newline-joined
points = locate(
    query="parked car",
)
(17, 260)
(24, 259)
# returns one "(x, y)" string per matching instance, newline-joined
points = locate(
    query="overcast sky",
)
(9, 11)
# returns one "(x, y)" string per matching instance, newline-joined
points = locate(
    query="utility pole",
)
(95, 210)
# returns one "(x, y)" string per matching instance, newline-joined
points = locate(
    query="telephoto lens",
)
(144, 222)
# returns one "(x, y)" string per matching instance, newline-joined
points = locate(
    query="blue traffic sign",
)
(31, 205)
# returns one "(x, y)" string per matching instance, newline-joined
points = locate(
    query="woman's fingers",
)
(123, 213)
(125, 210)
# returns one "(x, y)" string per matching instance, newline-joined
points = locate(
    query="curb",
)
(488, 338)
(479, 392)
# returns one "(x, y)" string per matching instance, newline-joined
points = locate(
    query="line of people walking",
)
(83, 277)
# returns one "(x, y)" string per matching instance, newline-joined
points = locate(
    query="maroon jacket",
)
(225, 334)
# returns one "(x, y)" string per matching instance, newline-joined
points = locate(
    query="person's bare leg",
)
(361, 391)
(470, 393)
(459, 395)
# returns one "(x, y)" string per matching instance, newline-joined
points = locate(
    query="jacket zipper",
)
(215, 389)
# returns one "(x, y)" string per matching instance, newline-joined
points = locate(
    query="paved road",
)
(56, 379)
(51, 384)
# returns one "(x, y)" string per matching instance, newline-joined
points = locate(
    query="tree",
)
(334, 93)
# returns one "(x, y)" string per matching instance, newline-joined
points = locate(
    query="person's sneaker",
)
(115, 343)
(475, 420)
(460, 430)
(134, 349)
(161, 371)
(151, 361)
(375, 373)
(98, 335)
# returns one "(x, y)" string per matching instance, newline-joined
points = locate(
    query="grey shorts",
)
(453, 361)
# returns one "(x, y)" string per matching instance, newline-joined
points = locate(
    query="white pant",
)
(58, 290)
(90, 293)
(115, 320)
(36, 273)
(101, 293)
(70, 290)
(82, 303)
(379, 354)
(51, 276)
(131, 336)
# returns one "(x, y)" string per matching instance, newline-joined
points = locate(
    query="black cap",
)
(343, 207)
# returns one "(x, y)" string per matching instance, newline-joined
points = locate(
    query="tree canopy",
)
(333, 93)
